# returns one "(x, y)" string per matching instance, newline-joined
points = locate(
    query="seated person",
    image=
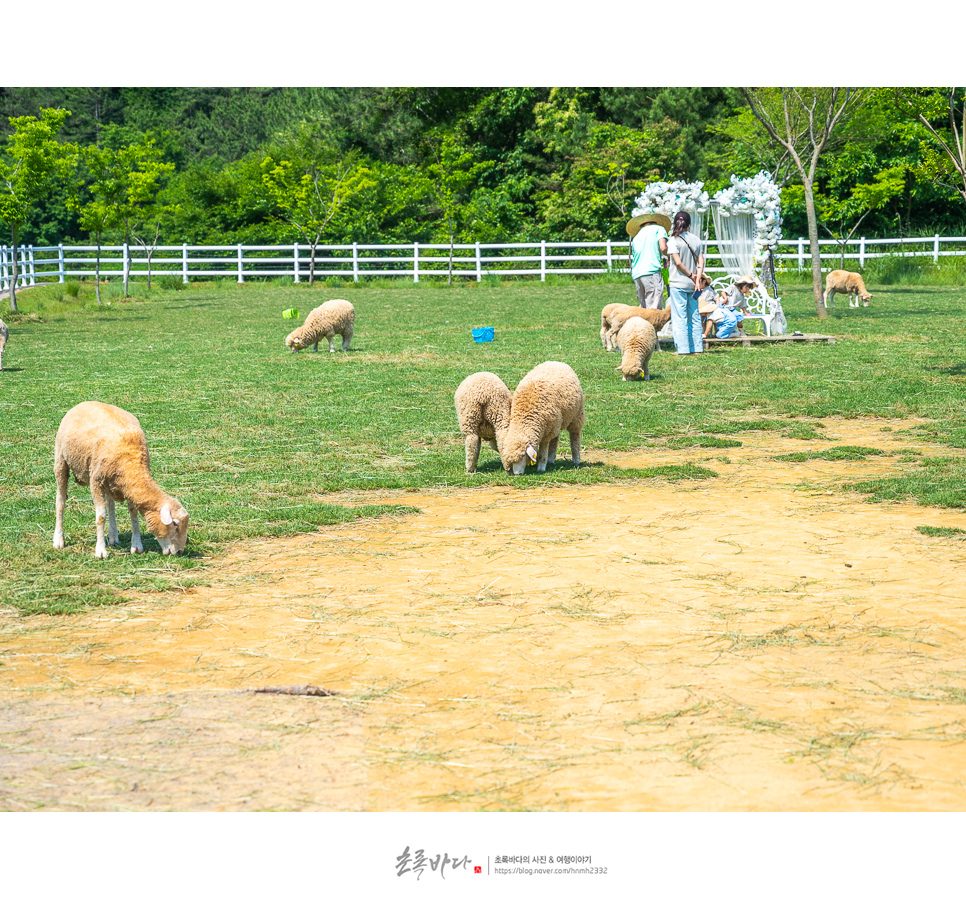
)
(733, 296)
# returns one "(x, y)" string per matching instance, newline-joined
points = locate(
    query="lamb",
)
(4, 335)
(104, 447)
(636, 342)
(547, 401)
(851, 283)
(483, 411)
(622, 313)
(324, 322)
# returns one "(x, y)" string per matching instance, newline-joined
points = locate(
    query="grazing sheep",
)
(483, 411)
(622, 313)
(851, 283)
(105, 447)
(4, 335)
(324, 322)
(547, 401)
(636, 342)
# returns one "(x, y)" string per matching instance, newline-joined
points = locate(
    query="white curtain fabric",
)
(736, 241)
(697, 225)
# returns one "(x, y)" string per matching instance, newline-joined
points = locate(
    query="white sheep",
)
(622, 313)
(842, 282)
(636, 342)
(4, 335)
(334, 317)
(483, 411)
(105, 447)
(547, 401)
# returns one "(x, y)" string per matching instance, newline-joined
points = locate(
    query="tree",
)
(313, 183)
(453, 172)
(864, 198)
(804, 123)
(941, 111)
(33, 160)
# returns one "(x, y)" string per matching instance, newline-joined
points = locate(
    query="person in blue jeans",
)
(686, 252)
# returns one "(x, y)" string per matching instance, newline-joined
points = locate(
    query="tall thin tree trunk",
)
(817, 284)
(13, 272)
(97, 270)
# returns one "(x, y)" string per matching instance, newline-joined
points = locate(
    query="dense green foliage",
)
(256, 441)
(547, 163)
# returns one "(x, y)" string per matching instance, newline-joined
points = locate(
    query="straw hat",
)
(705, 307)
(747, 279)
(638, 221)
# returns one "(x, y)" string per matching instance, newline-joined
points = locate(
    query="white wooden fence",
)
(358, 261)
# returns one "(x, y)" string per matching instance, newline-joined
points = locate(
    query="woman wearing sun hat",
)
(648, 233)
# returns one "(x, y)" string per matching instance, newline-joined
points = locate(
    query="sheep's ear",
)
(531, 453)
(166, 515)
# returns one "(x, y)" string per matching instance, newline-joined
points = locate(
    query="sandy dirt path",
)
(759, 641)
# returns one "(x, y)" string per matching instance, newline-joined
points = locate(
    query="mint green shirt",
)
(646, 250)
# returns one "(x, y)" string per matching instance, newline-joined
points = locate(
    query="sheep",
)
(622, 313)
(4, 335)
(636, 342)
(324, 322)
(548, 400)
(483, 411)
(104, 447)
(851, 283)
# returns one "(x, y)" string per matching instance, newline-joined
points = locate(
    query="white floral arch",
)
(747, 214)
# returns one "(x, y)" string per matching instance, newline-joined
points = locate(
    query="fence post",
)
(610, 257)
(33, 266)
(801, 254)
(126, 273)
(60, 256)
(862, 252)
(295, 262)
(355, 261)
(241, 271)
(415, 261)
(479, 263)
(935, 250)
(3, 268)
(543, 260)
(184, 262)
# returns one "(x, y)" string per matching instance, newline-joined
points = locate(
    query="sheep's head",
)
(515, 455)
(295, 342)
(865, 299)
(170, 526)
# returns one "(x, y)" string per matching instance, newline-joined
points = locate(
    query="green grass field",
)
(256, 441)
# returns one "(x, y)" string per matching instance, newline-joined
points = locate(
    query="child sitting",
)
(723, 317)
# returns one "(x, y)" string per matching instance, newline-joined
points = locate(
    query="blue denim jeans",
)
(685, 322)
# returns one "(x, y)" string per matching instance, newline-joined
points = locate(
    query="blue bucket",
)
(483, 334)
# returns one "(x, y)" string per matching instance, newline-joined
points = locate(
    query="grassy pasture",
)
(256, 441)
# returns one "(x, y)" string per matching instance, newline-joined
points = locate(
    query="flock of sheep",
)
(105, 448)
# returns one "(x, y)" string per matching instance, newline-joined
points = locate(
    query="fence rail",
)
(357, 261)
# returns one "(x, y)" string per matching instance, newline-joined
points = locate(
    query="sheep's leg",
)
(645, 373)
(111, 521)
(100, 513)
(136, 546)
(552, 450)
(603, 334)
(575, 446)
(62, 475)
(346, 340)
(472, 452)
(542, 457)
(331, 340)
(315, 347)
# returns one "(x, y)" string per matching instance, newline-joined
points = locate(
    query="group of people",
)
(697, 310)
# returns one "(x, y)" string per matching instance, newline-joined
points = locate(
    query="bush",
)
(169, 282)
(72, 287)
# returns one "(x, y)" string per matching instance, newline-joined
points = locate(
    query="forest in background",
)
(435, 164)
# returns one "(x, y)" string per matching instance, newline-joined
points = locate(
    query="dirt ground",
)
(759, 641)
